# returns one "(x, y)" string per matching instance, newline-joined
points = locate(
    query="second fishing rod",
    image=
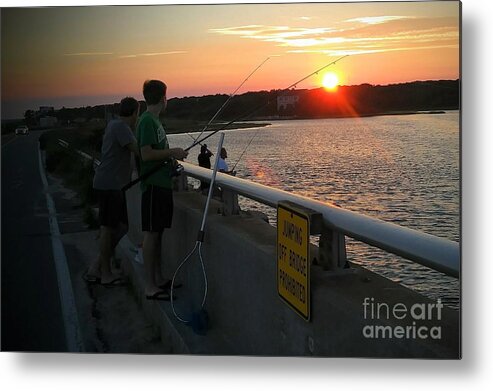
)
(178, 169)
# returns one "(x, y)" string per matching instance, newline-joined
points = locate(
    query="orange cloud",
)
(377, 19)
(153, 54)
(88, 54)
(357, 36)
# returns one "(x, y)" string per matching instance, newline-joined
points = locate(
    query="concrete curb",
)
(70, 318)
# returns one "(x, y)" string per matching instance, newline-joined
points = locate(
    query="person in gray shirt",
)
(111, 175)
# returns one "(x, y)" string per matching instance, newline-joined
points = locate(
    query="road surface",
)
(31, 310)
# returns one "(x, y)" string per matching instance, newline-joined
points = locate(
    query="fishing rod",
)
(200, 143)
(243, 116)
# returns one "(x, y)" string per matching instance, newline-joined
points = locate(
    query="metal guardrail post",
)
(230, 202)
(181, 182)
(332, 249)
(63, 143)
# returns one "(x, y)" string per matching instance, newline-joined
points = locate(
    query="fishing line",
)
(254, 135)
(198, 246)
(199, 143)
(227, 100)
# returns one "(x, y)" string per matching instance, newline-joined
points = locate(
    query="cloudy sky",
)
(75, 56)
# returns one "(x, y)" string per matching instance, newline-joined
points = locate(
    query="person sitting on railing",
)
(222, 166)
(110, 176)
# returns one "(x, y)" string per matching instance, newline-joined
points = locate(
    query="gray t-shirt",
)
(115, 169)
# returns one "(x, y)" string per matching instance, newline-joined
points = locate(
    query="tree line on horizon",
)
(359, 100)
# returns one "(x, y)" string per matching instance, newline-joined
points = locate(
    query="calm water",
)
(401, 169)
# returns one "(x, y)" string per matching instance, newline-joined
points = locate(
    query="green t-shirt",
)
(150, 131)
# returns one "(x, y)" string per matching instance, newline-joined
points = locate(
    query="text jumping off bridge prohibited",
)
(293, 265)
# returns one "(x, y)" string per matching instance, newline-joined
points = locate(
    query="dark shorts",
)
(112, 208)
(157, 209)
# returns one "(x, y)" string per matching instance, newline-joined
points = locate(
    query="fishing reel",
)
(176, 168)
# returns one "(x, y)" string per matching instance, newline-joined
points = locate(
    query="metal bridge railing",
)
(95, 162)
(436, 253)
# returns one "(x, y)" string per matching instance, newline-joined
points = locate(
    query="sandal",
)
(118, 281)
(160, 295)
(91, 279)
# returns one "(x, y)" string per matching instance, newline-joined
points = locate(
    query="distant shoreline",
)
(258, 122)
(356, 116)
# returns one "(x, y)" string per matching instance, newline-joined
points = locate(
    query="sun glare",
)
(330, 81)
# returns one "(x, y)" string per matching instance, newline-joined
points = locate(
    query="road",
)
(31, 309)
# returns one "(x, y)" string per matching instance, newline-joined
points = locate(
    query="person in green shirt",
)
(157, 194)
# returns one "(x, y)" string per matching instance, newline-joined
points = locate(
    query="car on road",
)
(22, 130)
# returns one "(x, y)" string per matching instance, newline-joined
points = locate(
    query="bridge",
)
(354, 312)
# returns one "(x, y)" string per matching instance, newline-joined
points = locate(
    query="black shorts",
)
(157, 209)
(112, 208)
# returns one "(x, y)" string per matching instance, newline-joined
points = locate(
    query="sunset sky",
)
(74, 56)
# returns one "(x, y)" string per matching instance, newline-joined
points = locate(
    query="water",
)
(401, 169)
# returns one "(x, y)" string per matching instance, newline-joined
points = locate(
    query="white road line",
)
(69, 312)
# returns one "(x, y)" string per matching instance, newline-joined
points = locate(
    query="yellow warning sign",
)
(293, 261)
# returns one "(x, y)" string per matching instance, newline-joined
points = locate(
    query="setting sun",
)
(330, 81)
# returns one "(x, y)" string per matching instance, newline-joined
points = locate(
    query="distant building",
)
(47, 121)
(45, 117)
(44, 110)
(287, 101)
